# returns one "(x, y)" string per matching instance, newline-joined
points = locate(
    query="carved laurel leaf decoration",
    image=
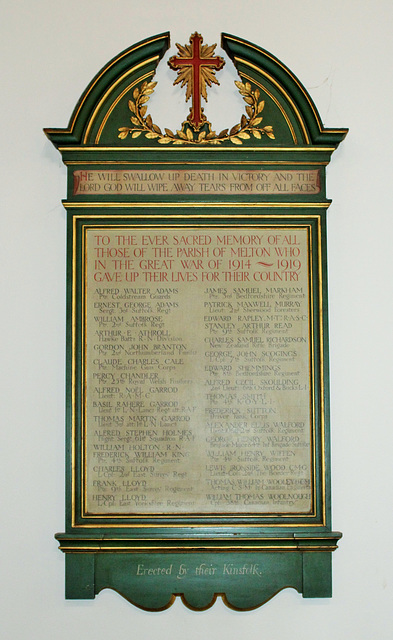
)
(249, 125)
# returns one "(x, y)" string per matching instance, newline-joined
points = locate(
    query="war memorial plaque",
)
(197, 376)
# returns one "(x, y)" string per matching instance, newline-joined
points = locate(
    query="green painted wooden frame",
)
(244, 560)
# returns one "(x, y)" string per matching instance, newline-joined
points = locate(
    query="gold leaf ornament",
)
(248, 127)
(269, 132)
(207, 50)
(235, 129)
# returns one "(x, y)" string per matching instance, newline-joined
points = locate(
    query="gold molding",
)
(68, 204)
(221, 150)
(108, 66)
(321, 372)
(205, 525)
(292, 76)
(276, 102)
(190, 162)
(117, 100)
(111, 88)
(198, 549)
(281, 89)
(280, 518)
(73, 377)
(312, 424)
(330, 535)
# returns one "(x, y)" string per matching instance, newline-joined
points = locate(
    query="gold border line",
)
(221, 150)
(263, 216)
(276, 102)
(201, 549)
(188, 205)
(73, 383)
(108, 66)
(115, 103)
(293, 77)
(205, 525)
(193, 162)
(307, 537)
(119, 515)
(192, 216)
(312, 430)
(310, 284)
(321, 371)
(188, 516)
(83, 371)
(312, 354)
(282, 90)
(111, 88)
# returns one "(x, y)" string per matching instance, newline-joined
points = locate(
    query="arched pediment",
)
(117, 96)
(275, 79)
(120, 76)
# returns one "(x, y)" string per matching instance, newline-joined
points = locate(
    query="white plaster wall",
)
(342, 52)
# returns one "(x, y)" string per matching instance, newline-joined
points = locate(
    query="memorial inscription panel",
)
(198, 391)
(168, 182)
(197, 395)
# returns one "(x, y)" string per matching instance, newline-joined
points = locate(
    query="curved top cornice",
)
(255, 61)
(289, 114)
(143, 55)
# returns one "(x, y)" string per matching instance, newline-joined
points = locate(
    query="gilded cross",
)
(196, 66)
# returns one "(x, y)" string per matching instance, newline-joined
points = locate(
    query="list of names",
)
(197, 371)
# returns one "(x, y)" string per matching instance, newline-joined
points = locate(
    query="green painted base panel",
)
(244, 580)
